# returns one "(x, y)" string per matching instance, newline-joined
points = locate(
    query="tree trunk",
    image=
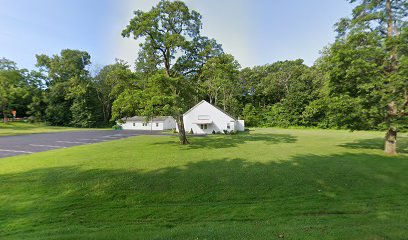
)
(391, 141)
(396, 29)
(167, 59)
(103, 105)
(390, 33)
(223, 102)
(182, 131)
(5, 118)
(390, 19)
(391, 135)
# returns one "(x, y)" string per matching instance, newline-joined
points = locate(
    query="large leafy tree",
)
(36, 103)
(280, 92)
(370, 61)
(170, 32)
(14, 89)
(168, 29)
(71, 100)
(160, 95)
(109, 83)
(220, 81)
(355, 71)
(269, 84)
(292, 85)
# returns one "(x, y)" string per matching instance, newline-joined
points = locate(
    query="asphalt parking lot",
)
(27, 144)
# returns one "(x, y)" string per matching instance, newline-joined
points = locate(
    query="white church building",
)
(140, 123)
(205, 118)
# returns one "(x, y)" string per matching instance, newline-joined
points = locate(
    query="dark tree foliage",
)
(278, 93)
(367, 62)
(109, 83)
(19, 88)
(70, 97)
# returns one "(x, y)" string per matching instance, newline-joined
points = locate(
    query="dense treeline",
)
(359, 82)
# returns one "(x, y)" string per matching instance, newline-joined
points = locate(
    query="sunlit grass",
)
(18, 128)
(270, 183)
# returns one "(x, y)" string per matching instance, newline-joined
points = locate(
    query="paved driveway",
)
(26, 144)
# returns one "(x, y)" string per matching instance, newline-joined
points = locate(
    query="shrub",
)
(213, 132)
(276, 116)
(251, 115)
(32, 119)
(117, 127)
(315, 113)
(191, 131)
(343, 112)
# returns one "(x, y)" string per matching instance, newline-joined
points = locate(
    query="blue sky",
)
(256, 32)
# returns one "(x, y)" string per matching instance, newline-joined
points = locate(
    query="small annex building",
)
(204, 118)
(140, 123)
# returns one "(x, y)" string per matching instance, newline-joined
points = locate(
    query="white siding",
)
(240, 125)
(168, 123)
(206, 112)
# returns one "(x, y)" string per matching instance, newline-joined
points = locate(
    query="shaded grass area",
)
(213, 142)
(18, 128)
(377, 143)
(270, 184)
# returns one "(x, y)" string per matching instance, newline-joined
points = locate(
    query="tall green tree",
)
(377, 26)
(109, 83)
(171, 37)
(279, 91)
(70, 96)
(220, 82)
(14, 89)
(36, 103)
(161, 95)
(355, 70)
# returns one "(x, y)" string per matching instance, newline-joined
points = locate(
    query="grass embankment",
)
(19, 128)
(269, 184)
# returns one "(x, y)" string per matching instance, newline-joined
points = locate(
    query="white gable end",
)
(205, 118)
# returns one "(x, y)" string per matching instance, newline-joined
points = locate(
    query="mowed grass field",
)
(19, 128)
(268, 184)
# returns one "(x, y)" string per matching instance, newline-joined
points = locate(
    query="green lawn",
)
(269, 184)
(18, 128)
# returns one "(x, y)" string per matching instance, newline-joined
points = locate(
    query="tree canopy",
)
(171, 42)
(359, 82)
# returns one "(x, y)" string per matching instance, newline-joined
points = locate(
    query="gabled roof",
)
(143, 119)
(203, 101)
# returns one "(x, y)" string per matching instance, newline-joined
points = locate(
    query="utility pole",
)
(151, 122)
(151, 126)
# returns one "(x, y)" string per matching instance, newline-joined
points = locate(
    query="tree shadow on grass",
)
(377, 143)
(360, 194)
(229, 141)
